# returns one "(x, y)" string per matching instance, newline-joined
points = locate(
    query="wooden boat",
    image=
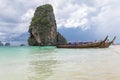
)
(100, 44)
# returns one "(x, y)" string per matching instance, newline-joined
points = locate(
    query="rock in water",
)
(7, 44)
(22, 44)
(1, 44)
(43, 28)
(60, 39)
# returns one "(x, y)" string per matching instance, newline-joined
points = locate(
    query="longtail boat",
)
(100, 44)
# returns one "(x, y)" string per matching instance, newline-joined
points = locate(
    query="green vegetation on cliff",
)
(40, 15)
(43, 28)
(61, 39)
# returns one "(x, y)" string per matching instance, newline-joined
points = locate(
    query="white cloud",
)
(72, 14)
(15, 17)
(75, 17)
(2, 35)
(107, 20)
(27, 16)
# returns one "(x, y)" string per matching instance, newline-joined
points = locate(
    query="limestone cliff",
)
(43, 28)
(61, 39)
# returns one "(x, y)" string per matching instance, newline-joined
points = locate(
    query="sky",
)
(77, 20)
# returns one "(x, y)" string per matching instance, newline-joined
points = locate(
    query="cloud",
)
(27, 15)
(15, 17)
(73, 13)
(101, 16)
(107, 20)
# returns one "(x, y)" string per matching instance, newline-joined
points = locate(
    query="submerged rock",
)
(43, 28)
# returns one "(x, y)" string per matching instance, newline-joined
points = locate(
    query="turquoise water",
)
(50, 63)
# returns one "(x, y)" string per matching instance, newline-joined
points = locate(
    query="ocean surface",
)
(50, 63)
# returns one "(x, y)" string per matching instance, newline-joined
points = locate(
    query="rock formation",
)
(1, 44)
(61, 39)
(43, 28)
(7, 44)
(22, 44)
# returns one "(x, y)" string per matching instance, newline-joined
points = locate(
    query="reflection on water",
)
(50, 63)
(41, 64)
(41, 70)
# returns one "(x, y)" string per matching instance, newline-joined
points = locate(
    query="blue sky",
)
(77, 20)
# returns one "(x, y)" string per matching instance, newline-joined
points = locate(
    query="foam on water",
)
(50, 63)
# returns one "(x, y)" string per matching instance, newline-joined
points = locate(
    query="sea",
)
(51, 63)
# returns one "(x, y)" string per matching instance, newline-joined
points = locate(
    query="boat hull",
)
(91, 45)
(106, 45)
(101, 44)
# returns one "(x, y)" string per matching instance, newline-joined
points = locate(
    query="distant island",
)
(43, 28)
(6, 44)
(1, 44)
